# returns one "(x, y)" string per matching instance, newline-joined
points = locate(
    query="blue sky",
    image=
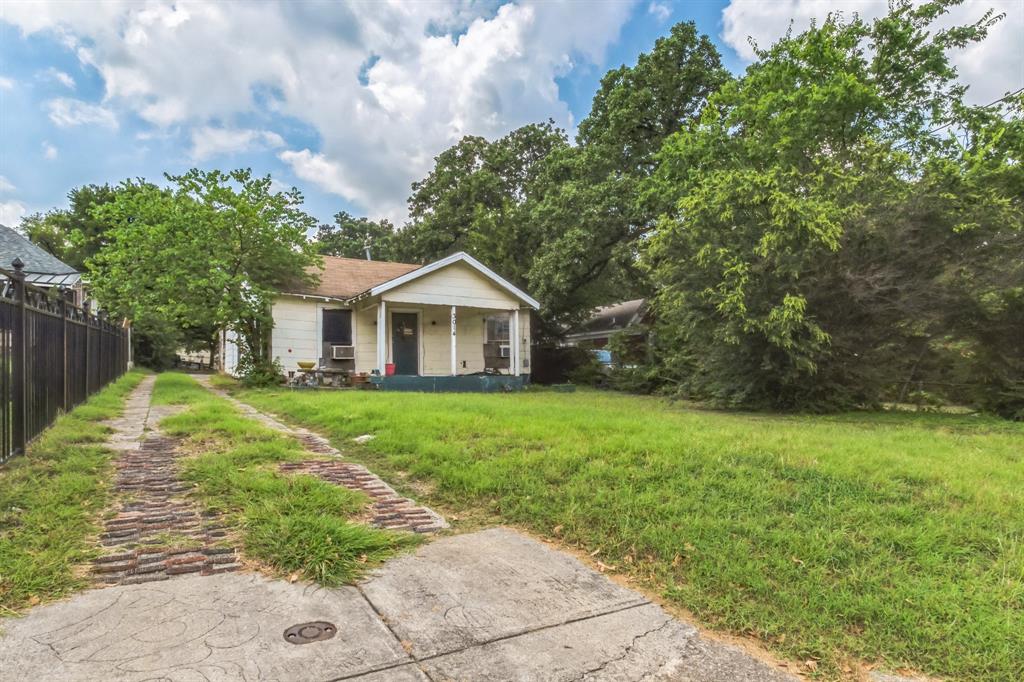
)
(347, 101)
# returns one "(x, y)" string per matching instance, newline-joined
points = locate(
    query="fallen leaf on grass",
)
(557, 530)
(596, 552)
(293, 577)
(602, 567)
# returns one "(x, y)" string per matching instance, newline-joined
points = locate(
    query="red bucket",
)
(389, 369)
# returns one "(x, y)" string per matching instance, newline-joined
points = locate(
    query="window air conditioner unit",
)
(343, 352)
(505, 352)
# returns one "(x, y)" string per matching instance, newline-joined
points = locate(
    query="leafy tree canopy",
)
(209, 251)
(816, 228)
(75, 234)
(350, 237)
(564, 221)
(474, 200)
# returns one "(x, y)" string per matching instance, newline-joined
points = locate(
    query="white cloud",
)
(660, 10)
(6, 185)
(208, 141)
(11, 213)
(991, 68)
(442, 70)
(61, 77)
(322, 172)
(49, 151)
(6, 83)
(66, 112)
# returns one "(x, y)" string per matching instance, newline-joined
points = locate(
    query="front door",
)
(405, 343)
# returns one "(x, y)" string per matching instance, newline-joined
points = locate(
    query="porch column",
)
(382, 337)
(516, 366)
(455, 368)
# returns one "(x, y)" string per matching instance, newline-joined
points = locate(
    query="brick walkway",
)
(388, 509)
(155, 534)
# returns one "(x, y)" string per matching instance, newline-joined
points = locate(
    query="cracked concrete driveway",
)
(491, 605)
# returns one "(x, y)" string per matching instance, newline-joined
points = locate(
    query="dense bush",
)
(826, 246)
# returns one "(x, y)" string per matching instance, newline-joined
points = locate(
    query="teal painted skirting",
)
(457, 384)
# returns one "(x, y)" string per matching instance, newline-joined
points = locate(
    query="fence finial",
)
(18, 264)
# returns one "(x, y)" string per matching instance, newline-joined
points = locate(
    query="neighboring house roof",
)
(344, 278)
(612, 318)
(41, 267)
(352, 278)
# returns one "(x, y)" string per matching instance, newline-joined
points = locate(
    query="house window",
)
(338, 327)
(496, 329)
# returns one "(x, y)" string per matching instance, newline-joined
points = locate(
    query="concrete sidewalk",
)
(491, 605)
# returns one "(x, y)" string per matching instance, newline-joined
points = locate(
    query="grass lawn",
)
(50, 499)
(888, 538)
(292, 524)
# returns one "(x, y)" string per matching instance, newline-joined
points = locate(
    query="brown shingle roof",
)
(346, 277)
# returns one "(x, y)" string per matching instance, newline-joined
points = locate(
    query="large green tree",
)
(74, 234)
(209, 251)
(818, 223)
(475, 198)
(587, 204)
(566, 221)
(351, 237)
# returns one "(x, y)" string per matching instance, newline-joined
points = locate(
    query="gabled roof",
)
(36, 259)
(348, 279)
(460, 257)
(343, 278)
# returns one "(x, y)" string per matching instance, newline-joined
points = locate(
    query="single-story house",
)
(416, 327)
(42, 268)
(607, 321)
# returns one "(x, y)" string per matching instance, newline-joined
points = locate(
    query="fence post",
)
(101, 316)
(64, 339)
(88, 334)
(18, 364)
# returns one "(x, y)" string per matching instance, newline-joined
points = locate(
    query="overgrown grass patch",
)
(292, 523)
(50, 499)
(889, 538)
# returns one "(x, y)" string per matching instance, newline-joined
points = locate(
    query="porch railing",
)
(53, 355)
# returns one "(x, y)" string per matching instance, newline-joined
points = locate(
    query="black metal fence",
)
(53, 355)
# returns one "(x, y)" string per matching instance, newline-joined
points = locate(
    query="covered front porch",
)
(455, 346)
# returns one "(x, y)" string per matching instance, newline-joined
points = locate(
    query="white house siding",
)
(459, 285)
(365, 328)
(297, 332)
(469, 338)
(437, 343)
(229, 353)
(524, 340)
